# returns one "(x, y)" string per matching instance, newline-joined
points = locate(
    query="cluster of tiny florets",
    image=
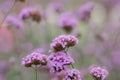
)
(98, 73)
(58, 61)
(67, 21)
(32, 13)
(34, 58)
(84, 11)
(57, 7)
(12, 21)
(62, 42)
(73, 74)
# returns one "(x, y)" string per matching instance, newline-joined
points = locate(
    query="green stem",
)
(67, 54)
(36, 73)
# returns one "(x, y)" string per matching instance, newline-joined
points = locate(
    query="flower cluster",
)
(34, 58)
(73, 74)
(12, 21)
(58, 61)
(67, 22)
(62, 42)
(32, 13)
(57, 7)
(98, 73)
(84, 11)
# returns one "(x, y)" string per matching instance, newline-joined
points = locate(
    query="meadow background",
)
(99, 40)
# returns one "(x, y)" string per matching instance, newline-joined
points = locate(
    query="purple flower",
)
(67, 21)
(25, 13)
(73, 74)
(84, 11)
(58, 7)
(32, 13)
(98, 73)
(34, 58)
(14, 22)
(62, 42)
(58, 61)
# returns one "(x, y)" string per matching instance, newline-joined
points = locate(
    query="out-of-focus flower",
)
(62, 42)
(58, 61)
(84, 11)
(73, 74)
(12, 21)
(2, 77)
(34, 58)
(57, 7)
(32, 13)
(98, 73)
(67, 21)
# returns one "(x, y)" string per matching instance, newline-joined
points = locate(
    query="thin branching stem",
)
(66, 50)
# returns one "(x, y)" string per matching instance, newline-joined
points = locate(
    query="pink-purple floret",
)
(58, 61)
(98, 72)
(62, 42)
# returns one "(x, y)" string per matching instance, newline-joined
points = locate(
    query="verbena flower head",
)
(73, 74)
(57, 7)
(98, 73)
(34, 58)
(84, 11)
(67, 21)
(32, 13)
(62, 42)
(12, 21)
(58, 61)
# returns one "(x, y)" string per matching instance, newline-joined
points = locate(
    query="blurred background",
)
(98, 36)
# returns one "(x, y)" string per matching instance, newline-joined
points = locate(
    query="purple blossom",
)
(25, 13)
(58, 7)
(98, 73)
(58, 61)
(73, 74)
(32, 13)
(67, 21)
(62, 42)
(34, 58)
(14, 22)
(84, 11)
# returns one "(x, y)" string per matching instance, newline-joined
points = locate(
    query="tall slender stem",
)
(67, 54)
(36, 73)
